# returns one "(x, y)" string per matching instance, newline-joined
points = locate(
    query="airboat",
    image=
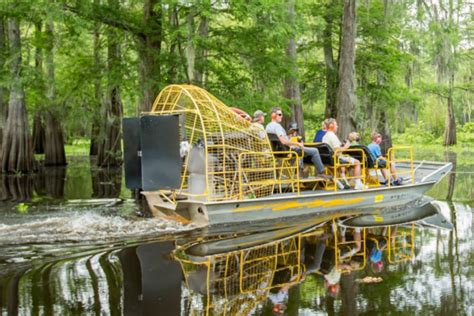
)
(197, 160)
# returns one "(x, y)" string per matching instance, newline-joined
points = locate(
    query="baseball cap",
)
(259, 113)
(293, 126)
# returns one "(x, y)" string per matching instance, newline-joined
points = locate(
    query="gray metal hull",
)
(311, 203)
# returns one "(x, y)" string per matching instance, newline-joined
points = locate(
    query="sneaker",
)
(359, 186)
(340, 186)
(324, 176)
(384, 182)
(399, 181)
(346, 184)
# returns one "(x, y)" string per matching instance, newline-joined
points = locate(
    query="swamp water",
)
(72, 242)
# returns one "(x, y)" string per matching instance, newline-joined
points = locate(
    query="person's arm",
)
(288, 143)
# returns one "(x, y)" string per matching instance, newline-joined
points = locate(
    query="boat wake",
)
(86, 226)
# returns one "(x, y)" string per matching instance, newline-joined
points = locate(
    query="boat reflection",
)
(238, 276)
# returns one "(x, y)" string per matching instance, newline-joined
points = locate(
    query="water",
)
(73, 242)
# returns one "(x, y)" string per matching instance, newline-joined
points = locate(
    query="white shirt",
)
(331, 139)
(277, 129)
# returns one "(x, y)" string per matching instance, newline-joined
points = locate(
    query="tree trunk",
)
(195, 50)
(3, 90)
(190, 49)
(291, 84)
(95, 128)
(38, 126)
(17, 154)
(38, 134)
(450, 125)
(385, 132)
(110, 151)
(331, 66)
(54, 154)
(149, 50)
(201, 51)
(173, 22)
(346, 98)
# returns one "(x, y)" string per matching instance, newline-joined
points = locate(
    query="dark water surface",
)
(74, 242)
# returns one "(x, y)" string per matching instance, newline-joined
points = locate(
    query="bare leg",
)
(357, 169)
(393, 171)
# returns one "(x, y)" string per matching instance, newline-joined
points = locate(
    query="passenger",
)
(354, 138)
(374, 148)
(318, 137)
(295, 138)
(331, 139)
(259, 119)
(274, 127)
(293, 133)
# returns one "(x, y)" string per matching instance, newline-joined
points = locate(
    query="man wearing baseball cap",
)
(259, 118)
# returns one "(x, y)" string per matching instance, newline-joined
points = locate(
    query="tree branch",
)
(108, 16)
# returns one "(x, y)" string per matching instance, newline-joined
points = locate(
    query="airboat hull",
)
(307, 204)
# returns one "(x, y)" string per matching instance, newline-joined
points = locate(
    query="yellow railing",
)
(231, 282)
(392, 158)
(244, 277)
(340, 153)
(401, 246)
(339, 243)
(275, 172)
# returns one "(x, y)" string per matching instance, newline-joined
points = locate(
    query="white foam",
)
(85, 226)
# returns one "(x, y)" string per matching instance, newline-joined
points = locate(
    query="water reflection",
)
(450, 156)
(50, 182)
(59, 183)
(106, 183)
(15, 188)
(324, 266)
(259, 279)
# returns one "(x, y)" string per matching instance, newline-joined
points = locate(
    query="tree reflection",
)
(16, 188)
(50, 182)
(451, 157)
(106, 183)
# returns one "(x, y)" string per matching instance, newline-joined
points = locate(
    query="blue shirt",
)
(375, 150)
(318, 138)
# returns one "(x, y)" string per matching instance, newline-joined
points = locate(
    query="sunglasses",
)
(280, 114)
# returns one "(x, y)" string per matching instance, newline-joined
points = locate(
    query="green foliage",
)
(401, 49)
(423, 134)
(465, 133)
(22, 208)
(78, 147)
(415, 134)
